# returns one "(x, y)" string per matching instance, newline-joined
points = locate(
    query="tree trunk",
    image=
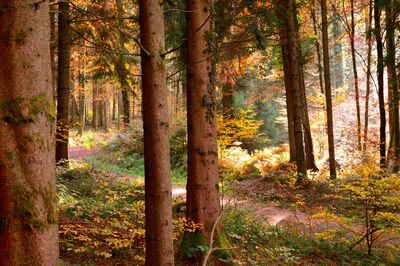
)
(317, 46)
(95, 104)
(354, 63)
(158, 201)
(381, 96)
(328, 93)
(82, 100)
(203, 206)
(308, 142)
(114, 105)
(287, 13)
(394, 100)
(121, 70)
(368, 78)
(28, 199)
(289, 100)
(338, 51)
(62, 130)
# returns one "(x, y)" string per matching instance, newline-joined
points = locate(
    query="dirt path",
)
(80, 152)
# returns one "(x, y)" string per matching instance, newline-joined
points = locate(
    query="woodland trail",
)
(306, 223)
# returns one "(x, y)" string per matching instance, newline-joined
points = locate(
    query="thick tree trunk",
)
(28, 199)
(62, 130)
(158, 201)
(287, 13)
(394, 153)
(203, 206)
(381, 96)
(354, 63)
(328, 93)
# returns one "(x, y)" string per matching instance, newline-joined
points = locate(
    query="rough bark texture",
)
(328, 93)
(63, 83)
(287, 13)
(381, 96)
(203, 206)
(158, 210)
(28, 212)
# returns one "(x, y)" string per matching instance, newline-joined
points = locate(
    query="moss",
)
(28, 212)
(225, 253)
(20, 37)
(26, 110)
(194, 245)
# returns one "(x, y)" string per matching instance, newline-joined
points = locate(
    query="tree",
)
(368, 85)
(352, 35)
(328, 93)
(28, 200)
(203, 206)
(63, 83)
(381, 96)
(158, 201)
(286, 12)
(394, 153)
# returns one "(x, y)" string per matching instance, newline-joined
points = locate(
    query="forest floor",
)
(268, 219)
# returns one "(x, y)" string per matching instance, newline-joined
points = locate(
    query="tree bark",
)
(28, 199)
(158, 201)
(394, 153)
(289, 100)
(287, 13)
(63, 83)
(381, 96)
(328, 93)
(203, 206)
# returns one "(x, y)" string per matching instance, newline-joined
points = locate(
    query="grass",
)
(178, 175)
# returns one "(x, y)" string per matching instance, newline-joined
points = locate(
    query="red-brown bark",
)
(28, 212)
(203, 206)
(158, 201)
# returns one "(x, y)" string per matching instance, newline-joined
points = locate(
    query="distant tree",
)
(28, 199)
(63, 82)
(158, 201)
